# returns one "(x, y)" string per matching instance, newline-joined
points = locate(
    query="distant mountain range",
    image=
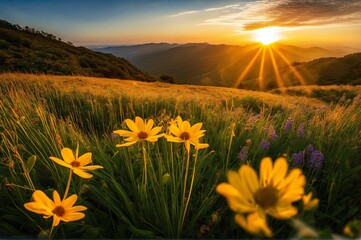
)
(33, 51)
(229, 65)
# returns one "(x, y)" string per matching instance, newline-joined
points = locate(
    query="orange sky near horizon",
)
(299, 22)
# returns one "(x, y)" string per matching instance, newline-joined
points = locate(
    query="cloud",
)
(183, 13)
(291, 13)
(234, 6)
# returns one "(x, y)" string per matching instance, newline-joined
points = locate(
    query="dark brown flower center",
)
(142, 135)
(59, 211)
(184, 135)
(267, 197)
(75, 163)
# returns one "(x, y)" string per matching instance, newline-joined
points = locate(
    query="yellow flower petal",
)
(40, 198)
(149, 125)
(81, 173)
(124, 133)
(85, 159)
(92, 167)
(279, 171)
(60, 162)
(139, 123)
(126, 144)
(69, 202)
(154, 131)
(131, 125)
(173, 129)
(249, 178)
(37, 208)
(196, 127)
(265, 171)
(74, 216)
(67, 155)
(254, 224)
(56, 198)
(56, 220)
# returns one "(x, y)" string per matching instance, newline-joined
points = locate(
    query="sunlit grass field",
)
(317, 129)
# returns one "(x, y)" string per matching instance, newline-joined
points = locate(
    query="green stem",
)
(184, 190)
(68, 184)
(145, 165)
(229, 147)
(191, 187)
(51, 231)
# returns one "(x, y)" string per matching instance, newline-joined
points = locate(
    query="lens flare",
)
(266, 35)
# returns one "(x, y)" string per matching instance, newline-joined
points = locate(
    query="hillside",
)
(32, 51)
(328, 71)
(217, 65)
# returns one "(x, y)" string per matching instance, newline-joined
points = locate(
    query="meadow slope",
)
(317, 129)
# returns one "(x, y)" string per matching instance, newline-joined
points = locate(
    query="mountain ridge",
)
(32, 51)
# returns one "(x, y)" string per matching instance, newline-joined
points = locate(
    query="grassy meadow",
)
(41, 114)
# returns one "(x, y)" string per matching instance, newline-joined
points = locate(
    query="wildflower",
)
(297, 159)
(301, 130)
(272, 193)
(249, 141)
(272, 133)
(140, 131)
(309, 149)
(186, 133)
(353, 229)
(243, 154)
(251, 121)
(59, 210)
(264, 144)
(315, 160)
(288, 124)
(254, 224)
(309, 204)
(75, 163)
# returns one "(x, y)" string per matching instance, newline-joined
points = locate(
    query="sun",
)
(266, 35)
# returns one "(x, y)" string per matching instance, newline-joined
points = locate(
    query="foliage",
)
(39, 115)
(32, 51)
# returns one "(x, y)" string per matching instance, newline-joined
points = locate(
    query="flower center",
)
(267, 197)
(142, 135)
(184, 135)
(59, 211)
(75, 163)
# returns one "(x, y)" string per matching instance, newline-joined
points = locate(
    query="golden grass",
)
(157, 90)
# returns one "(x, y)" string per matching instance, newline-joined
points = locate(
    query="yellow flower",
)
(273, 193)
(140, 131)
(254, 224)
(184, 132)
(60, 210)
(309, 204)
(77, 164)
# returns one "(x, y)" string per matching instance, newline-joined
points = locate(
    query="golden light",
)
(266, 35)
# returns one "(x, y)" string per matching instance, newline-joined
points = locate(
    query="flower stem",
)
(229, 146)
(145, 165)
(68, 184)
(191, 187)
(51, 231)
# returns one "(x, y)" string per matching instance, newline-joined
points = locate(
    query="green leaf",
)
(31, 162)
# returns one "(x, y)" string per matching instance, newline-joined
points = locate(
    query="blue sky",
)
(109, 22)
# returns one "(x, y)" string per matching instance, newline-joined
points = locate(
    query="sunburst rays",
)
(274, 56)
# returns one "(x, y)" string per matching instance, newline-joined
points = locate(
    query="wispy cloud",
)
(231, 6)
(291, 13)
(222, 8)
(184, 13)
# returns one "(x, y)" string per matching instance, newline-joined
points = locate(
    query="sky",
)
(107, 22)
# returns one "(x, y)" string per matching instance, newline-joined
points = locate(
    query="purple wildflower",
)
(315, 160)
(309, 149)
(264, 144)
(272, 133)
(288, 124)
(113, 136)
(251, 121)
(297, 159)
(243, 154)
(301, 130)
